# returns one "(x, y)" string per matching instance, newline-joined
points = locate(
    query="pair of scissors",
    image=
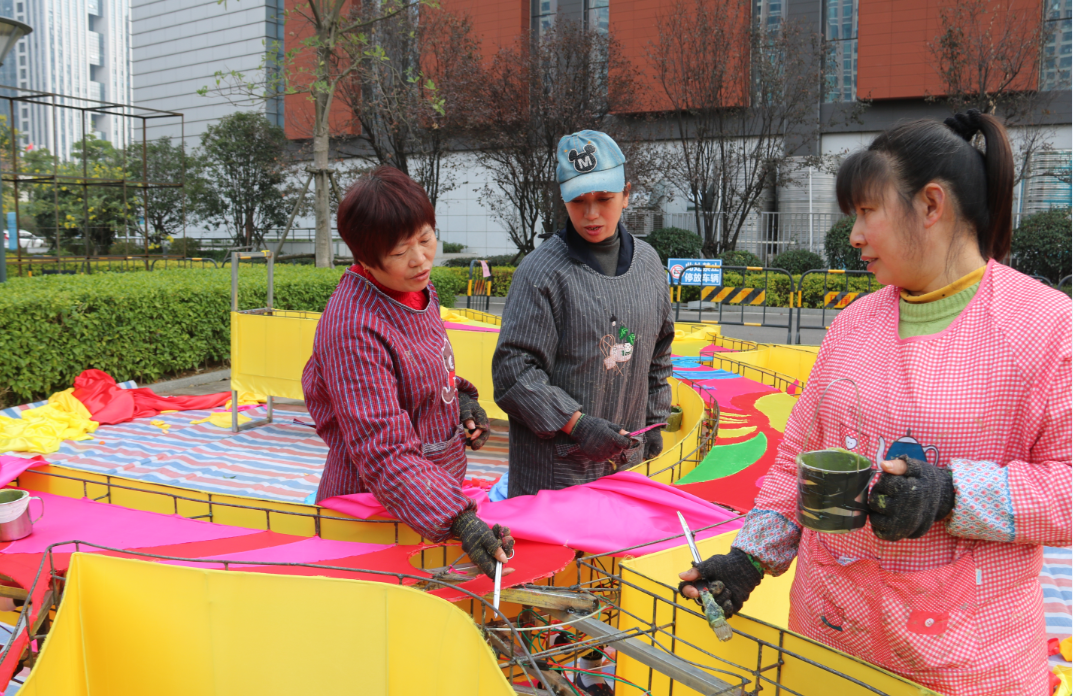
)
(499, 580)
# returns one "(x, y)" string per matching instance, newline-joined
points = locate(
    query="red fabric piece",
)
(414, 300)
(533, 560)
(109, 404)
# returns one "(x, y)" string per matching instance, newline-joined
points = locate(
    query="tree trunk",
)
(323, 241)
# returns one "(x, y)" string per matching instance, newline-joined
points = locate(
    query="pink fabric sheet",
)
(12, 467)
(68, 519)
(468, 327)
(616, 512)
(311, 550)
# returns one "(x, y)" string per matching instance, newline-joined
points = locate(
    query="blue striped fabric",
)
(1056, 578)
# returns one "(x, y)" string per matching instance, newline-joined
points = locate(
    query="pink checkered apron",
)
(959, 614)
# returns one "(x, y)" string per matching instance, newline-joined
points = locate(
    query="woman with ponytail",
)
(963, 368)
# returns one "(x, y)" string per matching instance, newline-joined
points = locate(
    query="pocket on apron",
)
(450, 454)
(907, 622)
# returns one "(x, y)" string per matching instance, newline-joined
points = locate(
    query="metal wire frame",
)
(317, 518)
(58, 580)
(599, 574)
(759, 374)
(15, 177)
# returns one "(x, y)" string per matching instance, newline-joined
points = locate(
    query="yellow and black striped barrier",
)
(478, 288)
(833, 298)
(733, 295)
(840, 300)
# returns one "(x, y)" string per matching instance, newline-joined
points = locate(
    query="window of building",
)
(840, 61)
(1058, 42)
(543, 16)
(769, 13)
(598, 15)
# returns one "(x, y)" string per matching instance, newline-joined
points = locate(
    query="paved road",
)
(751, 315)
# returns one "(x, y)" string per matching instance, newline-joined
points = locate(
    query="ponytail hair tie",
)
(967, 125)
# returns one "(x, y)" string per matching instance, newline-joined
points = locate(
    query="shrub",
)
(448, 284)
(453, 248)
(143, 326)
(1041, 244)
(675, 243)
(740, 257)
(184, 248)
(836, 246)
(128, 249)
(510, 260)
(797, 261)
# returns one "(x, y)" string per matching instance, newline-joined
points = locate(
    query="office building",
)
(80, 49)
(876, 54)
(178, 46)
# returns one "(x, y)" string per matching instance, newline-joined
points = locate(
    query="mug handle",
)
(33, 521)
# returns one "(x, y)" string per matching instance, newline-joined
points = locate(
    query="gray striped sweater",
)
(574, 339)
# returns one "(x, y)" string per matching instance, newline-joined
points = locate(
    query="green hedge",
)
(501, 279)
(141, 326)
(1041, 244)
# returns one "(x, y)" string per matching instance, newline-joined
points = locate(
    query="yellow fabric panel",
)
(768, 603)
(269, 351)
(43, 429)
(131, 627)
(473, 361)
(691, 338)
(791, 360)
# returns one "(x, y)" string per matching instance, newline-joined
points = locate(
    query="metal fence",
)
(133, 179)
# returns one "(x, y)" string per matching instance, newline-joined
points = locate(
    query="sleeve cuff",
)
(769, 538)
(983, 506)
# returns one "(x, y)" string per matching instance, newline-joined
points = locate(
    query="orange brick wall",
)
(497, 23)
(633, 24)
(893, 59)
(298, 109)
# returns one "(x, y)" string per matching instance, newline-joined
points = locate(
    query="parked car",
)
(29, 243)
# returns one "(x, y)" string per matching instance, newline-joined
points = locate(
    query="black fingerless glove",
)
(653, 443)
(469, 408)
(480, 542)
(906, 506)
(598, 439)
(731, 578)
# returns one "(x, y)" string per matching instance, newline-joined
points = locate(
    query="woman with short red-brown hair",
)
(381, 383)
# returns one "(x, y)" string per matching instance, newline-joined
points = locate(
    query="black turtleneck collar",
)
(580, 249)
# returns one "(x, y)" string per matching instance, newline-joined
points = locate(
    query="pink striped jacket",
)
(382, 389)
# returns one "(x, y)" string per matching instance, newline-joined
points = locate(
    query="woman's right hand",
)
(598, 439)
(483, 544)
(730, 578)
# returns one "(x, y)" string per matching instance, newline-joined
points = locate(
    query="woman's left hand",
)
(909, 497)
(474, 420)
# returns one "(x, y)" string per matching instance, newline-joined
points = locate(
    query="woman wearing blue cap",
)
(584, 351)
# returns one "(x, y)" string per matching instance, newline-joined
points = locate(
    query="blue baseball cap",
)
(589, 161)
